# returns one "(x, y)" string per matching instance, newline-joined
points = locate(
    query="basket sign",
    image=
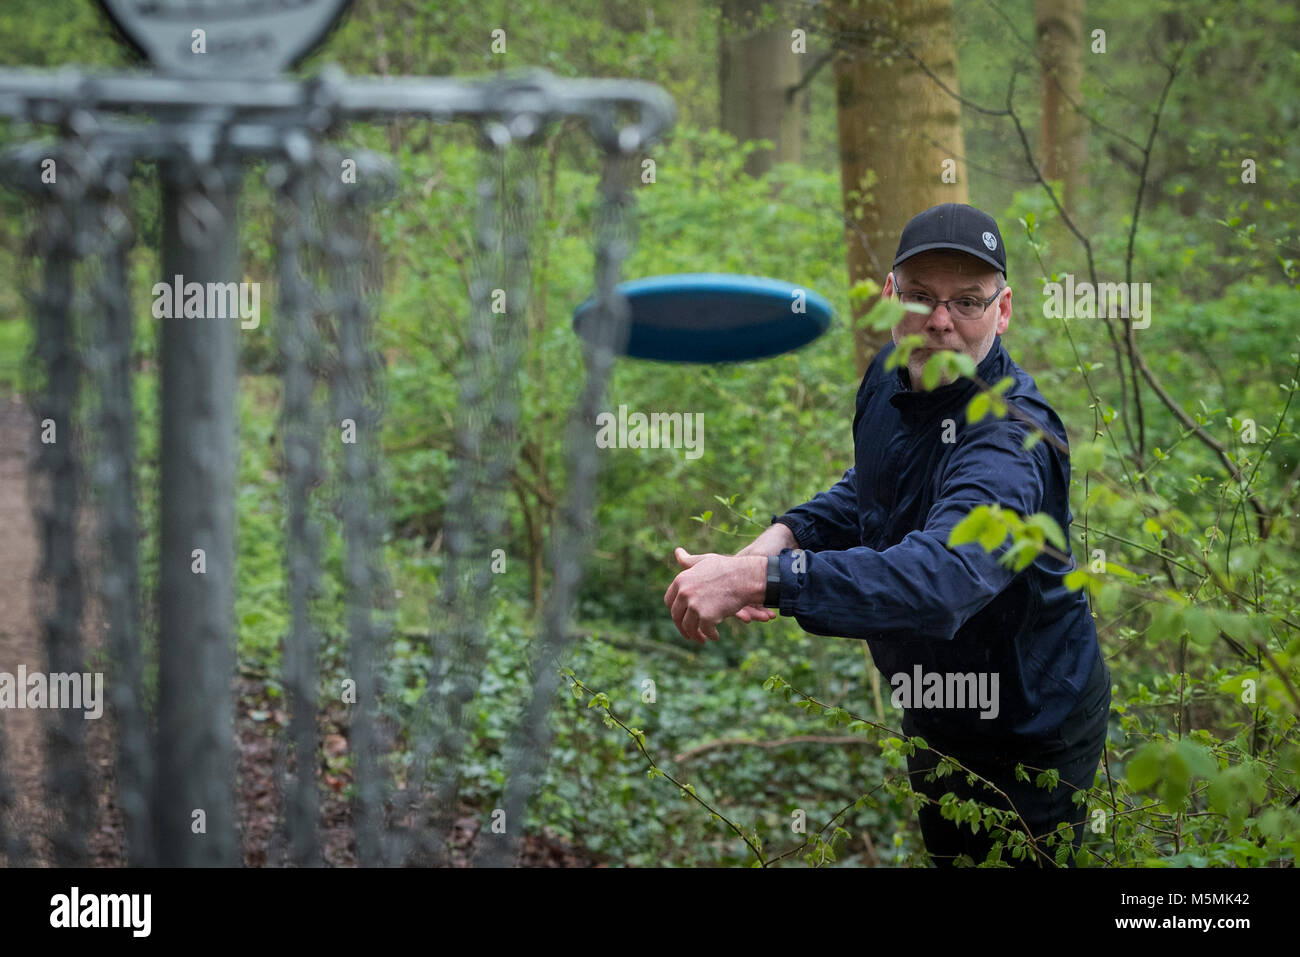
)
(225, 38)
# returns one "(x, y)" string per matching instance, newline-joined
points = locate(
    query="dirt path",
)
(23, 730)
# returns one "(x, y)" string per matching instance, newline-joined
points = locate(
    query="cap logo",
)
(990, 241)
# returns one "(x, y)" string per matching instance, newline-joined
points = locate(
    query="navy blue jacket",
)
(876, 566)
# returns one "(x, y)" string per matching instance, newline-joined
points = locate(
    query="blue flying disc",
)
(715, 317)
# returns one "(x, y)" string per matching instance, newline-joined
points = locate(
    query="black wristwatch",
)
(772, 597)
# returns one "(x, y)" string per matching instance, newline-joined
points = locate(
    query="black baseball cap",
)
(954, 226)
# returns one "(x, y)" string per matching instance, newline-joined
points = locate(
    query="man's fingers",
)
(677, 609)
(684, 558)
(681, 610)
(691, 625)
(756, 613)
(670, 596)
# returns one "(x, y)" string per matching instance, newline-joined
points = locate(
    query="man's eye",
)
(918, 299)
(966, 303)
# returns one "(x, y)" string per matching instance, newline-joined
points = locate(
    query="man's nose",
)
(933, 318)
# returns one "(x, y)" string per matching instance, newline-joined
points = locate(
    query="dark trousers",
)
(1075, 751)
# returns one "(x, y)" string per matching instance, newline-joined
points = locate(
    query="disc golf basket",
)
(201, 116)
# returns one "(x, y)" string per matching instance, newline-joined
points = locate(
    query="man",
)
(868, 557)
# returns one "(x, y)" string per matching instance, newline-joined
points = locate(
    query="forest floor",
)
(259, 725)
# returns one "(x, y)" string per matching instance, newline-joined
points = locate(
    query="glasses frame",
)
(948, 302)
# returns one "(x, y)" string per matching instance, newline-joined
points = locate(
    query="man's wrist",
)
(754, 578)
(786, 534)
(775, 537)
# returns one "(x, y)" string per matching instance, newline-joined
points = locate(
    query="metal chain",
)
(359, 397)
(302, 425)
(615, 227)
(61, 238)
(115, 483)
(485, 452)
(84, 222)
(80, 238)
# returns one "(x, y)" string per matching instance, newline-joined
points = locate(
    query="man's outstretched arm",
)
(917, 587)
(714, 586)
(920, 587)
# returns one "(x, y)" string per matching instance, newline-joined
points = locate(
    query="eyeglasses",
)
(964, 307)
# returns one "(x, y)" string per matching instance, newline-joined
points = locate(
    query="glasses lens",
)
(965, 308)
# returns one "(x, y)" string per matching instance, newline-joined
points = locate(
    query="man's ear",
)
(887, 291)
(1004, 310)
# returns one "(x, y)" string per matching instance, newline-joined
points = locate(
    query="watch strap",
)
(772, 597)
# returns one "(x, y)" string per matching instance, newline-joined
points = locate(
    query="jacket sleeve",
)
(919, 588)
(829, 520)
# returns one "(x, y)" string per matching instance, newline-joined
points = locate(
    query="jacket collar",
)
(916, 406)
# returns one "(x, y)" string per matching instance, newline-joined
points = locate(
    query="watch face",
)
(230, 39)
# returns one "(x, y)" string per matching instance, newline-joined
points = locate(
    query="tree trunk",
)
(1059, 27)
(901, 147)
(757, 66)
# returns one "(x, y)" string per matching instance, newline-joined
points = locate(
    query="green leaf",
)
(994, 534)
(1201, 627)
(1051, 530)
(1144, 768)
(1020, 555)
(1166, 623)
(978, 407)
(964, 364)
(863, 290)
(1120, 571)
(969, 528)
(1199, 761)
(1233, 792)
(1088, 457)
(934, 369)
(885, 314)
(1177, 781)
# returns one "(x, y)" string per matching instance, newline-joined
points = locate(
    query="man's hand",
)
(712, 588)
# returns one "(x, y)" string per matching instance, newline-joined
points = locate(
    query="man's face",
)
(948, 274)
